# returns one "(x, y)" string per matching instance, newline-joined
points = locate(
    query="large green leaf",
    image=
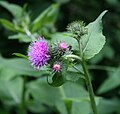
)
(7, 74)
(112, 104)
(45, 18)
(14, 9)
(94, 41)
(21, 67)
(11, 91)
(72, 92)
(111, 82)
(104, 54)
(43, 92)
(36, 106)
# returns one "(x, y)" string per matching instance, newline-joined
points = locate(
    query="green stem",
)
(89, 87)
(23, 107)
(88, 81)
(28, 33)
(62, 92)
(73, 56)
(68, 103)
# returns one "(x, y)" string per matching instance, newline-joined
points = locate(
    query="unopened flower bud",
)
(77, 29)
(63, 46)
(56, 67)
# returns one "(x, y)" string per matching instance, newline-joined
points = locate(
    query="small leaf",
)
(7, 24)
(45, 18)
(21, 37)
(94, 41)
(57, 80)
(20, 55)
(14, 9)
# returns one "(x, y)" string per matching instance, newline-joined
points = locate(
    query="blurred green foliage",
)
(49, 18)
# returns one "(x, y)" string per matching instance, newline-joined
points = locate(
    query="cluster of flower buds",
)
(77, 29)
(57, 52)
(40, 54)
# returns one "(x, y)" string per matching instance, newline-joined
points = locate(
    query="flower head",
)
(77, 29)
(63, 46)
(56, 67)
(38, 53)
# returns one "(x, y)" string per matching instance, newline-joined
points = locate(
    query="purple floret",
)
(38, 53)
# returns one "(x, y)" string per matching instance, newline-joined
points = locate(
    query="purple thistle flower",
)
(38, 53)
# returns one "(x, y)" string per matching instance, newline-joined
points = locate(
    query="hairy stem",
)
(88, 81)
(89, 87)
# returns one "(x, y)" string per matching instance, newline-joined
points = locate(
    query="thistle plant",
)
(78, 30)
(74, 48)
(59, 57)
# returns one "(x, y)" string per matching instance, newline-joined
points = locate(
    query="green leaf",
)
(11, 91)
(7, 24)
(43, 92)
(111, 82)
(94, 41)
(68, 104)
(73, 75)
(45, 18)
(21, 55)
(14, 9)
(72, 92)
(21, 37)
(112, 104)
(36, 106)
(81, 108)
(7, 74)
(22, 67)
(57, 80)
(62, 1)
(103, 54)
